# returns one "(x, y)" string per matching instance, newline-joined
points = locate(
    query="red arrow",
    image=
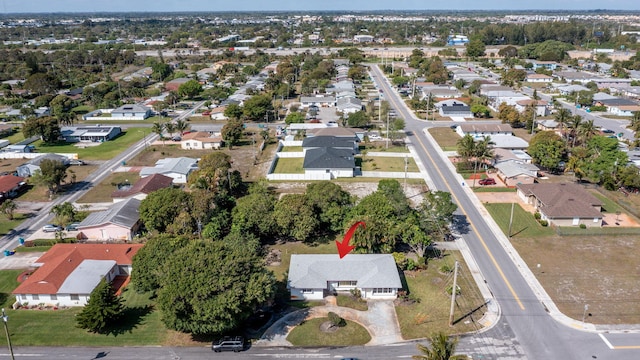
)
(343, 247)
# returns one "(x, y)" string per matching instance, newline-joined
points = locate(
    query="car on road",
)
(72, 227)
(487, 181)
(228, 343)
(51, 228)
(607, 131)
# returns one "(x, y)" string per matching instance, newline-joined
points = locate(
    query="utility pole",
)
(387, 130)
(5, 318)
(511, 218)
(406, 166)
(453, 292)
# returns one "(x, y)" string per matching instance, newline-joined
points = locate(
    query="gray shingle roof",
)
(340, 142)
(369, 270)
(328, 158)
(39, 159)
(181, 165)
(124, 213)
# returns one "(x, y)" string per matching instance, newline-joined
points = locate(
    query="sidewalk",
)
(380, 320)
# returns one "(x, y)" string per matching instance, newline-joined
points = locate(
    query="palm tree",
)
(586, 131)
(466, 147)
(562, 117)
(170, 128)
(574, 124)
(181, 126)
(158, 129)
(483, 151)
(442, 348)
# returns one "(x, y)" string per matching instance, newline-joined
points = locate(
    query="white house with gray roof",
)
(131, 112)
(311, 276)
(177, 168)
(30, 167)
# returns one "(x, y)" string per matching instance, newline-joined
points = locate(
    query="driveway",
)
(380, 320)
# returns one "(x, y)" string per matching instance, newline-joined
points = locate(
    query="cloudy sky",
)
(12, 6)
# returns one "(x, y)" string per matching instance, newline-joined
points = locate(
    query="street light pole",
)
(584, 313)
(5, 318)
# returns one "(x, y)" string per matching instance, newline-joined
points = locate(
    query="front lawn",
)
(524, 224)
(352, 302)
(309, 334)
(142, 326)
(445, 137)
(431, 313)
(105, 151)
(7, 225)
(291, 149)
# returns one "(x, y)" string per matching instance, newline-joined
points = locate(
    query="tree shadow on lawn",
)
(131, 318)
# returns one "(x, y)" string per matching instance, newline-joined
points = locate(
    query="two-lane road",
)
(538, 333)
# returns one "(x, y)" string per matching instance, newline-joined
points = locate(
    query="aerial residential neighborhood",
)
(351, 185)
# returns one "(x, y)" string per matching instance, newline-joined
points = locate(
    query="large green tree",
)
(295, 217)
(331, 203)
(190, 89)
(255, 108)
(51, 174)
(46, 127)
(475, 48)
(162, 207)
(547, 149)
(211, 287)
(148, 263)
(253, 214)
(103, 310)
(232, 132)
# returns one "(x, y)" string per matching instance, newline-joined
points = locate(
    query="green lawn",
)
(8, 282)
(608, 205)
(102, 191)
(524, 224)
(390, 164)
(379, 148)
(289, 166)
(7, 225)
(291, 149)
(43, 327)
(494, 189)
(15, 137)
(104, 151)
(445, 137)
(431, 314)
(309, 334)
(298, 248)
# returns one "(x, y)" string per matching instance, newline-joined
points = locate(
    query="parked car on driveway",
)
(487, 181)
(72, 227)
(51, 228)
(77, 162)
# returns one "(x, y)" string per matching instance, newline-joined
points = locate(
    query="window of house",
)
(36, 297)
(382, 291)
(307, 291)
(53, 297)
(346, 283)
(75, 297)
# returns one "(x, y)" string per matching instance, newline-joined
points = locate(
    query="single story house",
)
(505, 154)
(68, 273)
(547, 65)
(174, 84)
(121, 221)
(30, 167)
(176, 168)
(349, 105)
(352, 133)
(569, 89)
(200, 140)
(541, 106)
(482, 130)
(538, 78)
(563, 204)
(18, 148)
(624, 110)
(11, 186)
(327, 160)
(311, 276)
(90, 133)
(130, 112)
(323, 101)
(456, 110)
(217, 113)
(548, 125)
(509, 142)
(348, 142)
(143, 187)
(513, 172)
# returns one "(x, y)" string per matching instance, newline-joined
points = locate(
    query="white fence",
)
(290, 154)
(289, 143)
(299, 176)
(16, 155)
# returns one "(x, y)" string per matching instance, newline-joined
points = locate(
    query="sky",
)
(47, 6)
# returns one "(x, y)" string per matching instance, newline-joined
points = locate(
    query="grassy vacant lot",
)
(34, 327)
(102, 192)
(431, 314)
(289, 166)
(524, 224)
(309, 334)
(576, 269)
(445, 137)
(104, 151)
(379, 163)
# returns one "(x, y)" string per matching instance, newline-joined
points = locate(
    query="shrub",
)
(544, 223)
(537, 216)
(583, 226)
(401, 260)
(356, 293)
(463, 166)
(336, 320)
(450, 288)
(446, 268)
(411, 265)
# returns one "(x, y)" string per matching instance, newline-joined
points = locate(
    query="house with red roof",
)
(68, 273)
(10, 186)
(143, 187)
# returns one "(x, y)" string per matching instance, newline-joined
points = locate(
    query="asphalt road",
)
(534, 329)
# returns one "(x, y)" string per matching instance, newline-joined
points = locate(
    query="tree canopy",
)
(103, 310)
